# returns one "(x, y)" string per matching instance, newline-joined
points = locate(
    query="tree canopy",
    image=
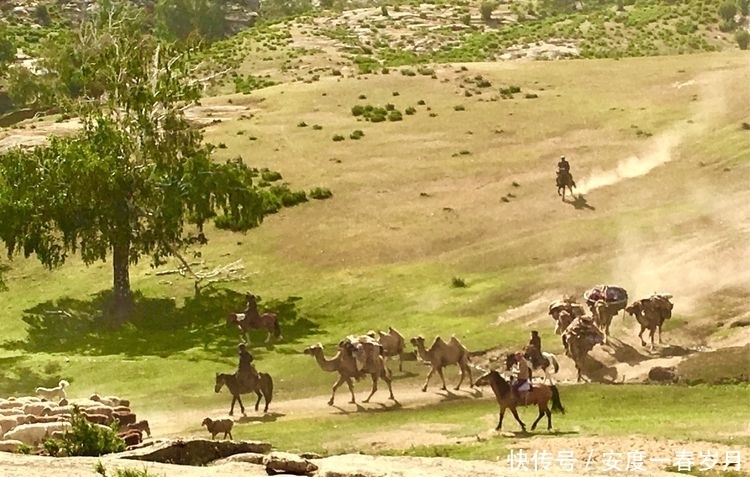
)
(137, 179)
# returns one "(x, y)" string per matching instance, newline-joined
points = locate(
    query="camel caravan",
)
(581, 332)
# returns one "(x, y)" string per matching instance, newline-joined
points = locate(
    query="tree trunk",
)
(122, 296)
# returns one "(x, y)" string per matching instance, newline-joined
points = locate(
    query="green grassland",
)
(461, 188)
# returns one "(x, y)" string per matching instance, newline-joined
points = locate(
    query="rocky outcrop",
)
(196, 451)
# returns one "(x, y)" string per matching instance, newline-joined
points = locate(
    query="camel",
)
(651, 313)
(367, 351)
(564, 312)
(443, 354)
(580, 338)
(342, 363)
(603, 313)
(392, 343)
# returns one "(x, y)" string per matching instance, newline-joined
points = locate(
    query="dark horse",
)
(565, 179)
(540, 394)
(251, 319)
(262, 385)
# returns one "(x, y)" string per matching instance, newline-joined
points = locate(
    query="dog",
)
(53, 393)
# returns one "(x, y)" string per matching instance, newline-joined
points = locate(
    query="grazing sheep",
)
(97, 418)
(141, 426)
(37, 408)
(10, 445)
(32, 419)
(7, 423)
(111, 401)
(58, 392)
(100, 409)
(14, 411)
(217, 426)
(33, 434)
(56, 411)
(131, 437)
(124, 419)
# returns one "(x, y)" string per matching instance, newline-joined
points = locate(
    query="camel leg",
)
(388, 380)
(460, 380)
(442, 378)
(465, 369)
(338, 383)
(518, 418)
(374, 387)
(539, 418)
(640, 335)
(429, 375)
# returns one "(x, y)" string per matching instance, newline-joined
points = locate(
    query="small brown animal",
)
(141, 426)
(218, 426)
(131, 437)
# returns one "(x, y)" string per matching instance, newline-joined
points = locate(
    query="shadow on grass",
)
(527, 434)
(579, 203)
(267, 417)
(157, 326)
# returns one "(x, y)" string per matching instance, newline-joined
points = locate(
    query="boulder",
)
(196, 451)
(287, 463)
(248, 458)
(663, 375)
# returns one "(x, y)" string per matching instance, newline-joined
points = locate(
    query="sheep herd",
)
(29, 420)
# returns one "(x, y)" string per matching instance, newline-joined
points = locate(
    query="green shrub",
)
(269, 175)
(84, 439)
(301, 124)
(742, 37)
(395, 116)
(486, 9)
(320, 193)
(338, 138)
(457, 282)
(357, 134)
(317, 127)
(100, 469)
(459, 108)
(410, 110)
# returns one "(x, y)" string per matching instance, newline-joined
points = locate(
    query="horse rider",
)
(534, 349)
(523, 376)
(245, 370)
(563, 169)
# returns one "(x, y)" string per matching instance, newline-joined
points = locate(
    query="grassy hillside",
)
(459, 189)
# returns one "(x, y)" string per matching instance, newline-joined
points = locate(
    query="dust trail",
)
(713, 91)
(660, 153)
(714, 257)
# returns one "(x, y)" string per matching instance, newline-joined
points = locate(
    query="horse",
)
(544, 363)
(262, 385)
(251, 319)
(540, 394)
(565, 180)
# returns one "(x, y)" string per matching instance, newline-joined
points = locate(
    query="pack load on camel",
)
(582, 334)
(614, 296)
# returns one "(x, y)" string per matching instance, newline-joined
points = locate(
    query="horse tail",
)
(556, 404)
(276, 327)
(267, 385)
(555, 364)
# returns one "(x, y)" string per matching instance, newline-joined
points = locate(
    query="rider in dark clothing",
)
(245, 369)
(563, 167)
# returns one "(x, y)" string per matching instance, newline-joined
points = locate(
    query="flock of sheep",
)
(30, 420)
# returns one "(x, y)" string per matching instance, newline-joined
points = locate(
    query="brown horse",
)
(251, 319)
(565, 180)
(540, 394)
(262, 385)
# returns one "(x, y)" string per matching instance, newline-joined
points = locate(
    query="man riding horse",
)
(246, 372)
(563, 172)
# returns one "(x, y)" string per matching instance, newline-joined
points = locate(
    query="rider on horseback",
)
(245, 370)
(563, 169)
(533, 351)
(523, 376)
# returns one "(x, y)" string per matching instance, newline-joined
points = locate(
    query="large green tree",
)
(137, 179)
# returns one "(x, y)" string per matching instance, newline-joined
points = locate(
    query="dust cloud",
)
(712, 92)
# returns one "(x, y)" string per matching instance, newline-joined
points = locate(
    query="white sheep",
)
(37, 408)
(7, 423)
(111, 401)
(217, 426)
(10, 445)
(11, 405)
(14, 411)
(34, 434)
(58, 392)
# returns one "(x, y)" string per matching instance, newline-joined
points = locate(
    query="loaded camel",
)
(392, 343)
(580, 338)
(442, 354)
(343, 363)
(564, 312)
(651, 313)
(369, 353)
(251, 319)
